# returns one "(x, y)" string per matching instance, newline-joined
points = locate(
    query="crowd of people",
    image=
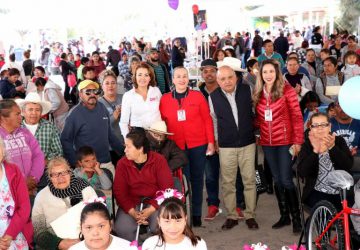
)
(127, 120)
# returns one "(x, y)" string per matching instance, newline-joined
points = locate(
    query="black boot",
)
(283, 207)
(292, 198)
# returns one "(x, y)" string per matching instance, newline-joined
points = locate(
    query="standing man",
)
(231, 110)
(270, 54)
(257, 43)
(161, 73)
(177, 54)
(88, 124)
(282, 45)
(113, 58)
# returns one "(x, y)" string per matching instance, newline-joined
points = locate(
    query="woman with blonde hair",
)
(281, 134)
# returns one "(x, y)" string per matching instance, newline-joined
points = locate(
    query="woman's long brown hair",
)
(277, 89)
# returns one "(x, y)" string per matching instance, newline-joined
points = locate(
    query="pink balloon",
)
(174, 4)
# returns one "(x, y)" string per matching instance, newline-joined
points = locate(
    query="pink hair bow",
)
(167, 193)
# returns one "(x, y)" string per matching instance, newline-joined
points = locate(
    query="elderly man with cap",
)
(208, 73)
(161, 73)
(231, 110)
(32, 109)
(88, 124)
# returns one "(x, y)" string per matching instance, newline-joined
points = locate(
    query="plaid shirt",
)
(123, 68)
(48, 137)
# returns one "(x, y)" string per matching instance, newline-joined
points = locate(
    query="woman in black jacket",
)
(66, 68)
(322, 153)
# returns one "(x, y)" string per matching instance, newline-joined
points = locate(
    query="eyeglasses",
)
(319, 125)
(92, 91)
(62, 174)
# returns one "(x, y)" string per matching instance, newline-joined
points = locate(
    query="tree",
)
(350, 13)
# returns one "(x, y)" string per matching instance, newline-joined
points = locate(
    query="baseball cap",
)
(152, 50)
(208, 63)
(86, 83)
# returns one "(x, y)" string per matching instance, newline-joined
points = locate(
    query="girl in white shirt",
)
(174, 233)
(95, 225)
(140, 105)
(351, 69)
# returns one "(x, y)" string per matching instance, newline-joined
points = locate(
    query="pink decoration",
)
(174, 4)
(167, 193)
(195, 9)
(134, 245)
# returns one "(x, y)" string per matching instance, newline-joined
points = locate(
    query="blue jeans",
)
(195, 173)
(212, 174)
(280, 162)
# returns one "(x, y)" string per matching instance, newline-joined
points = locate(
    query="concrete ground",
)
(267, 214)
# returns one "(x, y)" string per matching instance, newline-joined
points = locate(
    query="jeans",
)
(212, 173)
(195, 173)
(280, 162)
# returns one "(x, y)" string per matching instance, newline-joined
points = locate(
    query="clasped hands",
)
(142, 216)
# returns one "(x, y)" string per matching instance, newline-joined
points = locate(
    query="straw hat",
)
(34, 97)
(159, 127)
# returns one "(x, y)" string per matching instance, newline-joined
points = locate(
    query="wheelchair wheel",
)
(323, 212)
(188, 197)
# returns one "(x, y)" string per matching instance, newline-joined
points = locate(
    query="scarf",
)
(73, 191)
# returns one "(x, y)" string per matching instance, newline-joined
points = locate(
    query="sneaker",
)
(213, 211)
(240, 213)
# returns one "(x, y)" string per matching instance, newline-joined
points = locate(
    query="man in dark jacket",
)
(113, 57)
(177, 54)
(231, 110)
(281, 45)
(257, 44)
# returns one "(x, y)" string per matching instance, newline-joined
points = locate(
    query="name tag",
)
(268, 115)
(181, 115)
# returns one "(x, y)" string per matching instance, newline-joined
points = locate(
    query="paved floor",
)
(267, 214)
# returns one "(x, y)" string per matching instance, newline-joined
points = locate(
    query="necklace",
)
(343, 123)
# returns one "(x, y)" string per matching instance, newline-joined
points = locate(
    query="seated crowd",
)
(128, 131)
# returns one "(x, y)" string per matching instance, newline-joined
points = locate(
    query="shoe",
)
(283, 207)
(252, 224)
(229, 223)
(240, 213)
(196, 221)
(292, 199)
(213, 211)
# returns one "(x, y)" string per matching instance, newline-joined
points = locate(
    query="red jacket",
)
(198, 128)
(20, 222)
(287, 126)
(131, 184)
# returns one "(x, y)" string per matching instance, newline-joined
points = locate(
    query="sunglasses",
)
(319, 125)
(92, 91)
(62, 174)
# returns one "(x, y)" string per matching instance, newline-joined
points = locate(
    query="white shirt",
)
(150, 244)
(139, 113)
(116, 243)
(31, 128)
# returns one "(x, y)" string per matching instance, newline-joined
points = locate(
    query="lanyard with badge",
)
(181, 114)
(268, 111)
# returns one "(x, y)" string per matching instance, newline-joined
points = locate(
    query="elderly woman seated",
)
(63, 191)
(322, 153)
(16, 231)
(141, 173)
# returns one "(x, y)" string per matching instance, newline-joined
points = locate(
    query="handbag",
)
(71, 80)
(260, 180)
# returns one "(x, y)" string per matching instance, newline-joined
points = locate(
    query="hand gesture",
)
(353, 151)
(67, 243)
(210, 149)
(298, 89)
(5, 242)
(315, 142)
(97, 168)
(117, 112)
(329, 140)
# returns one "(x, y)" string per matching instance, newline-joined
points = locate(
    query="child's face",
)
(331, 113)
(90, 75)
(96, 230)
(351, 60)
(88, 163)
(173, 229)
(324, 55)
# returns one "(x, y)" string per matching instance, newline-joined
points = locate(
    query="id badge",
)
(268, 115)
(181, 115)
